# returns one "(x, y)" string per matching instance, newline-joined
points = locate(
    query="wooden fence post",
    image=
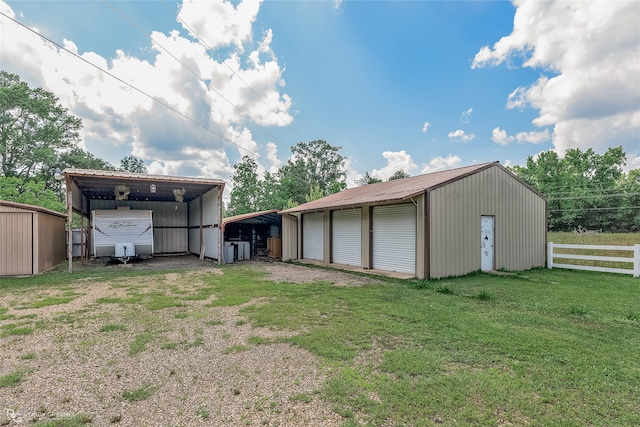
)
(550, 255)
(636, 260)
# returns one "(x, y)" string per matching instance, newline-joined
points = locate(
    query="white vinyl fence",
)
(634, 260)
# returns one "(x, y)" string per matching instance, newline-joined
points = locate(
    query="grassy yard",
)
(542, 347)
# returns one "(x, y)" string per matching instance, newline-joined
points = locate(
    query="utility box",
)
(229, 250)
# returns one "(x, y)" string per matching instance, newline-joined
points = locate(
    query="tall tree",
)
(399, 174)
(79, 158)
(367, 179)
(132, 164)
(247, 191)
(34, 130)
(581, 187)
(313, 163)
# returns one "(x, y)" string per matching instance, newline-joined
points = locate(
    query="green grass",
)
(139, 344)
(47, 301)
(72, 421)
(541, 347)
(15, 329)
(4, 314)
(138, 394)
(112, 328)
(11, 379)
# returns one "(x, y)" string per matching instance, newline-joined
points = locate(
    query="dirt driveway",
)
(190, 365)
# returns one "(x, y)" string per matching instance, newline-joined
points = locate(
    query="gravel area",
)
(199, 367)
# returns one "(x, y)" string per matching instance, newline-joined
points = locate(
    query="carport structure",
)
(187, 211)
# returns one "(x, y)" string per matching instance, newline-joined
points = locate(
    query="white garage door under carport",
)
(346, 247)
(394, 238)
(313, 236)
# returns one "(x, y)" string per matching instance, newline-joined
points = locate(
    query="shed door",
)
(486, 243)
(394, 238)
(346, 246)
(313, 236)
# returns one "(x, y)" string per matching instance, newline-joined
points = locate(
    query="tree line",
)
(586, 190)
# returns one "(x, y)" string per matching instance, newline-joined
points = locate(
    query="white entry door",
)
(486, 242)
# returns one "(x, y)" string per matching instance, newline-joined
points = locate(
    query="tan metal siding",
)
(455, 211)
(16, 243)
(289, 237)
(51, 241)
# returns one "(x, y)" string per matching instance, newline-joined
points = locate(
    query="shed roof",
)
(261, 217)
(395, 190)
(30, 208)
(100, 184)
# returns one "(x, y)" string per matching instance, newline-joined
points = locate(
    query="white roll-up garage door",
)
(313, 236)
(394, 238)
(346, 246)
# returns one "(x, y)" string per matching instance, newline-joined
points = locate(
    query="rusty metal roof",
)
(395, 190)
(100, 184)
(260, 217)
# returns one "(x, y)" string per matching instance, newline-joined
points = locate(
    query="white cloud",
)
(272, 157)
(499, 136)
(533, 137)
(588, 52)
(218, 23)
(460, 136)
(396, 160)
(337, 4)
(441, 163)
(425, 127)
(466, 115)
(119, 120)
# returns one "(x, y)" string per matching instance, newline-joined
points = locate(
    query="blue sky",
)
(413, 85)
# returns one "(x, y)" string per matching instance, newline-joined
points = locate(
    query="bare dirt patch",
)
(200, 365)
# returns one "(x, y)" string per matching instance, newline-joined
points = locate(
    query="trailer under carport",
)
(187, 211)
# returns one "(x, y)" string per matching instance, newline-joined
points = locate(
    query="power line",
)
(202, 42)
(133, 24)
(595, 196)
(164, 104)
(593, 209)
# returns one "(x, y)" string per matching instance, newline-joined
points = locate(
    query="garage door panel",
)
(313, 236)
(394, 238)
(346, 247)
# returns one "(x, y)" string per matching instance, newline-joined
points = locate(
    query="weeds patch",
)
(138, 394)
(72, 421)
(112, 328)
(12, 379)
(139, 344)
(48, 301)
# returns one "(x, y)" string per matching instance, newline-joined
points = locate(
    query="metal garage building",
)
(186, 211)
(32, 239)
(448, 223)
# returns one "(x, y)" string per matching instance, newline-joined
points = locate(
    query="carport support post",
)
(69, 225)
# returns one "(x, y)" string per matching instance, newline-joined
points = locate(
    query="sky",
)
(420, 86)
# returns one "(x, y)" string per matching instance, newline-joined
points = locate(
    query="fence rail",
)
(634, 260)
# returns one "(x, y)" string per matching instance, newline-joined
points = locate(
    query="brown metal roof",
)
(268, 216)
(100, 184)
(395, 190)
(31, 208)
